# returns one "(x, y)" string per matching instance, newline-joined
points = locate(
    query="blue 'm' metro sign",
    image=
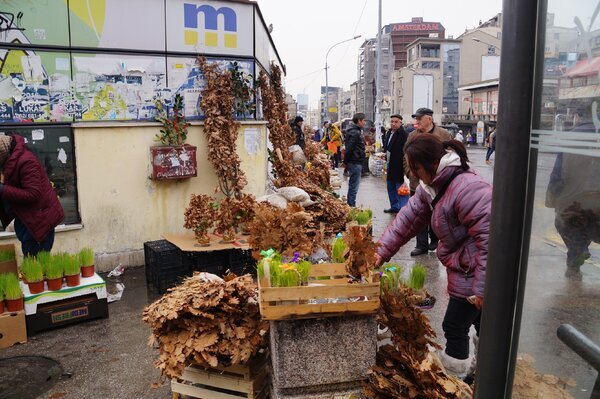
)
(211, 36)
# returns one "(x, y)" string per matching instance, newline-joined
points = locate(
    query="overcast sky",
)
(303, 31)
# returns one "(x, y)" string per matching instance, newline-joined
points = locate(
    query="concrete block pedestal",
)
(321, 358)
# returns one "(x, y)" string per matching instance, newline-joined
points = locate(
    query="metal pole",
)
(514, 176)
(326, 91)
(326, 76)
(378, 98)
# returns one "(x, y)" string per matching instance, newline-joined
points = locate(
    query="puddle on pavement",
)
(27, 376)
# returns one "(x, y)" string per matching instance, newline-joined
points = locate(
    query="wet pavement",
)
(109, 358)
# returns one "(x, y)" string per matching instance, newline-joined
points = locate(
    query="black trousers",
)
(460, 316)
(424, 237)
(32, 247)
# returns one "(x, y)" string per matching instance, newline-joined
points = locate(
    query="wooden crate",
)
(280, 303)
(235, 382)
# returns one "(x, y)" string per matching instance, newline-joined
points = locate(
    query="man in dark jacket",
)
(355, 154)
(394, 148)
(297, 129)
(426, 239)
(27, 197)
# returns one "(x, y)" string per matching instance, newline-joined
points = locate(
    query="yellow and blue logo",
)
(211, 29)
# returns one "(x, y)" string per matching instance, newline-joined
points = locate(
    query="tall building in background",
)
(302, 100)
(404, 33)
(394, 41)
(332, 113)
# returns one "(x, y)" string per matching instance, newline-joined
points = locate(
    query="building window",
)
(429, 51)
(430, 65)
(54, 148)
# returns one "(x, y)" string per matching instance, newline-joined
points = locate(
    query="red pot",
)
(14, 305)
(87, 271)
(1, 307)
(55, 284)
(72, 281)
(37, 287)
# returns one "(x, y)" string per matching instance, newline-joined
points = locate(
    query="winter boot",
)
(453, 366)
(470, 377)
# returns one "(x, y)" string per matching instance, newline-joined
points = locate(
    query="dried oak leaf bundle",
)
(407, 369)
(529, 384)
(284, 230)
(220, 128)
(328, 210)
(318, 172)
(200, 213)
(206, 323)
(361, 251)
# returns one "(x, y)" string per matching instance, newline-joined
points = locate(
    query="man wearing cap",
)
(426, 239)
(297, 129)
(355, 154)
(393, 145)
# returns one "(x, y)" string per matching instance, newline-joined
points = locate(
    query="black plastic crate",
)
(218, 262)
(166, 265)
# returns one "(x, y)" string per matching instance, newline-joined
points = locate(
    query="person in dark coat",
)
(298, 132)
(355, 155)
(27, 197)
(394, 148)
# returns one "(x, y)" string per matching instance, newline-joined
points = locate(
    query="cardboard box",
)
(11, 265)
(12, 329)
(67, 311)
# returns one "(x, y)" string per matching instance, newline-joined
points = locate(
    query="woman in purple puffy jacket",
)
(457, 202)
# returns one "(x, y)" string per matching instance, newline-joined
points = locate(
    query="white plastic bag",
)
(276, 200)
(294, 194)
(297, 155)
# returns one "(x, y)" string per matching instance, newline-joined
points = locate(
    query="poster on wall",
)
(185, 77)
(210, 27)
(35, 87)
(118, 87)
(115, 24)
(34, 22)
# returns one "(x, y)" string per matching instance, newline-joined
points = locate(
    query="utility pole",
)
(378, 97)
(327, 76)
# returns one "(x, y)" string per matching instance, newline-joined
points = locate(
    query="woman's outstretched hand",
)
(378, 260)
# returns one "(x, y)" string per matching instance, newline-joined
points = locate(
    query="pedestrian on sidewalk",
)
(298, 133)
(459, 136)
(395, 139)
(355, 155)
(27, 197)
(332, 140)
(426, 239)
(491, 145)
(457, 202)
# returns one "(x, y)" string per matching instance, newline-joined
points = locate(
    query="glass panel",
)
(563, 278)
(108, 24)
(35, 86)
(118, 87)
(53, 146)
(34, 22)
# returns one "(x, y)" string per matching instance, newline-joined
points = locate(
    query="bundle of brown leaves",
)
(206, 323)
(361, 251)
(316, 183)
(319, 165)
(221, 130)
(529, 384)
(284, 230)
(200, 213)
(407, 369)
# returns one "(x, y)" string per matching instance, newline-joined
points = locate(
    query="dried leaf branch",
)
(206, 323)
(220, 128)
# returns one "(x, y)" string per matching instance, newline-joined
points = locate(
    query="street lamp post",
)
(326, 75)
